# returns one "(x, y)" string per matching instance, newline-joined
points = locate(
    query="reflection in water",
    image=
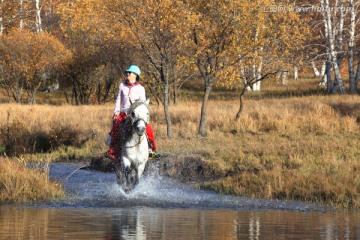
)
(162, 209)
(126, 224)
(17, 222)
(254, 228)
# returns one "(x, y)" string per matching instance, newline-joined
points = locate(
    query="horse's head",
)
(139, 114)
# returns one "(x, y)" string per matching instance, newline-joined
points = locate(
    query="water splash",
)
(88, 188)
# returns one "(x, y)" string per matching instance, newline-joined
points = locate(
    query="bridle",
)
(140, 120)
(132, 109)
(135, 122)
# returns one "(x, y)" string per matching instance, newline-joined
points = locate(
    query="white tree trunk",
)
(38, 17)
(328, 62)
(1, 17)
(284, 77)
(257, 84)
(21, 14)
(257, 70)
(323, 74)
(316, 71)
(351, 46)
(333, 33)
(253, 77)
(296, 73)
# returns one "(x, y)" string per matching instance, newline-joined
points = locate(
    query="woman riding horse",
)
(130, 89)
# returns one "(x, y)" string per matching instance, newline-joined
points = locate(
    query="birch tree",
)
(279, 33)
(334, 22)
(337, 38)
(38, 17)
(279, 36)
(1, 17)
(314, 68)
(16, 14)
(351, 47)
(21, 14)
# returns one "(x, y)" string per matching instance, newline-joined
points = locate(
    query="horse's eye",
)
(133, 114)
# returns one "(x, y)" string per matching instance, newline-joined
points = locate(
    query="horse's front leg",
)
(120, 176)
(136, 178)
(140, 171)
(123, 169)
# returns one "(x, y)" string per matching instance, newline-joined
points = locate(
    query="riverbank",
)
(19, 184)
(299, 148)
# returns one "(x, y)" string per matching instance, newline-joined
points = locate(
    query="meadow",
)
(292, 142)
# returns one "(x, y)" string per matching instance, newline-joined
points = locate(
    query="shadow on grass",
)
(19, 140)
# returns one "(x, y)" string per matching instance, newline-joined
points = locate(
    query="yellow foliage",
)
(27, 56)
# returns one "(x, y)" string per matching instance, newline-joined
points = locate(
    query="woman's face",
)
(131, 77)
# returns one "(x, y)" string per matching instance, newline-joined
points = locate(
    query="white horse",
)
(134, 146)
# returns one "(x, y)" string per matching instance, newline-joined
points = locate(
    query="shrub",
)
(18, 139)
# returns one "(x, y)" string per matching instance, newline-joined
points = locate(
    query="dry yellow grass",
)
(22, 184)
(303, 148)
(57, 124)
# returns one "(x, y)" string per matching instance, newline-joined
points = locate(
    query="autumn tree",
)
(90, 35)
(157, 30)
(280, 32)
(27, 58)
(18, 14)
(241, 40)
(219, 41)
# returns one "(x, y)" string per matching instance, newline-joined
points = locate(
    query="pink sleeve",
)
(118, 101)
(142, 94)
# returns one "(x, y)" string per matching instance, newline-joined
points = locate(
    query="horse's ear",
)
(147, 101)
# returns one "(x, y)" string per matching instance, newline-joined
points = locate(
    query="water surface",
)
(160, 208)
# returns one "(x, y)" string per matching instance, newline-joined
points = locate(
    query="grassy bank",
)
(298, 148)
(21, 184)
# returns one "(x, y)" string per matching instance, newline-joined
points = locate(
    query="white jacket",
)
(126, 91)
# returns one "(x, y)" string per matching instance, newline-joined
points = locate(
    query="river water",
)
(161, 208)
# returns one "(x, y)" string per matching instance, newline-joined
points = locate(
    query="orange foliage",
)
(27, 58)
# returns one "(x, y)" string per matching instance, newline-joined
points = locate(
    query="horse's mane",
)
(125, 130)
(126, 125)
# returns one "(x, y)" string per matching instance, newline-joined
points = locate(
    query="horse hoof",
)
(127, 191)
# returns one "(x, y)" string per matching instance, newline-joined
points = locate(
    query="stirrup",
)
(154, 155)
